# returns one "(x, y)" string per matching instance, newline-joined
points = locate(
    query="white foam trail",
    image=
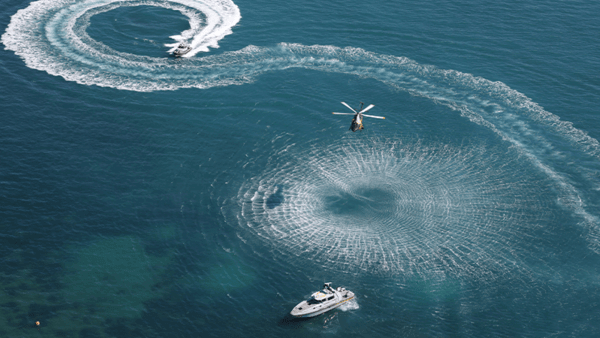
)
(50, 35)
(350, 305)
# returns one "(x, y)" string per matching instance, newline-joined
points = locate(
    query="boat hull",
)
(180, 53)
(320, 311)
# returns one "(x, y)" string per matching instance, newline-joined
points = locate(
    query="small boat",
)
(322, 301)
(182, 49)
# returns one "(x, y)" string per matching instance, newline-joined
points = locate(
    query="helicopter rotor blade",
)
(345, 104)
(368, 108)
(336, 113)
(376, 117)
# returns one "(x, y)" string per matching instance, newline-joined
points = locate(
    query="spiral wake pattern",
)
(51, 36)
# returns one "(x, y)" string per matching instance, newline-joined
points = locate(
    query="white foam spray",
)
(391, 207)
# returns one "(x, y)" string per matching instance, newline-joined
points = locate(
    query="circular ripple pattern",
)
(389, 207)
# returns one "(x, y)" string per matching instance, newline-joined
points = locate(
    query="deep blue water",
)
(147, 196)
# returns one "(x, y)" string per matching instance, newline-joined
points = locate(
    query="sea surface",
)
(143, 195)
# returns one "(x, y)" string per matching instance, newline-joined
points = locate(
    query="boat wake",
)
(349, 305)
(470, 208)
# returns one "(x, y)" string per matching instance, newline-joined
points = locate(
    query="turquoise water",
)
(147, 196)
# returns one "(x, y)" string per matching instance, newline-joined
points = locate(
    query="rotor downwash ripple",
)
(389, 207)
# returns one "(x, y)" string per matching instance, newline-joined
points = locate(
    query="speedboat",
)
(182, 49)
(322, 301)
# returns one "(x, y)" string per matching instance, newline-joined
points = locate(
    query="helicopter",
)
(358, 116)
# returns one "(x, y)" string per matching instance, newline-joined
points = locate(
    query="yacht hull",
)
(319, 312)
(322, 301)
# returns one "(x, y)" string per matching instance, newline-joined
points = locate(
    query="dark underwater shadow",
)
(276, 198)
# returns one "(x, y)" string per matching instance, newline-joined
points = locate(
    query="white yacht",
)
(182, 49)
(322, 301)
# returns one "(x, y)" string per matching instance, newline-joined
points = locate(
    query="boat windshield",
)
(313, 301)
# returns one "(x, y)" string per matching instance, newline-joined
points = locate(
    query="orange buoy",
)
(37, 323)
